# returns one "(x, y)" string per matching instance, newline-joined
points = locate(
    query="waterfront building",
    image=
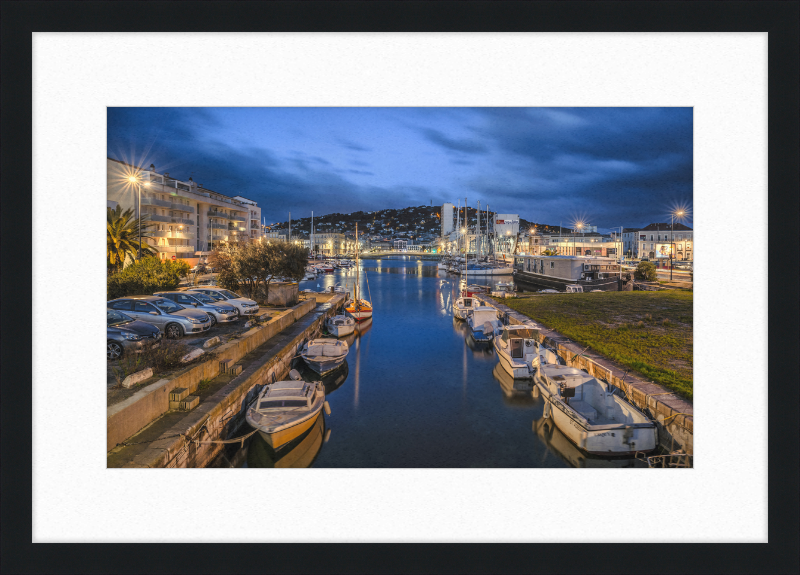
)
(329, 243)
(656, 241)
(187, 220)
(582, 244)
(447, 219)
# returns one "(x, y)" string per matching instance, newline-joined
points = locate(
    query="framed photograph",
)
(217, 120)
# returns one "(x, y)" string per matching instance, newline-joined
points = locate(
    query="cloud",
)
(465, 146)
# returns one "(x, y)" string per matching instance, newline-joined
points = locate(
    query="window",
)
(143, 307)
(651, 237)
(124, 305)
(552, 265)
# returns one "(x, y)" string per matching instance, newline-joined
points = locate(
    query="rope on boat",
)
(673, 415)
(235, 440)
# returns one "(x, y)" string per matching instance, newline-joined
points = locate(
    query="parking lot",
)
(226, 332)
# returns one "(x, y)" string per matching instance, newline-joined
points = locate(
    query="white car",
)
(243, 305)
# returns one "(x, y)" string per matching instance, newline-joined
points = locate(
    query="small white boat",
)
(549, 291)
(284, 410)
(504, 290)
(574, 288)
(463, 305)
(324, 355)
(482, 323)
(591, 415)
(517, 349)
(340, 325)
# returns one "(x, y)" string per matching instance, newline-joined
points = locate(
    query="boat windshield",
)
(270, 403)
(526, 333)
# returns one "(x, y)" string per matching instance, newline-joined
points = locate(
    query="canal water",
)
(416, 390)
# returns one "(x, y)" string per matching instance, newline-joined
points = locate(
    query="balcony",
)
(186, 234)
(186, 250)
(169, 219)
(182, 208)
(155, 202)
(222, 215)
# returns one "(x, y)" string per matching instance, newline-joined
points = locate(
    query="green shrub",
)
(145, 277)
(646, 271)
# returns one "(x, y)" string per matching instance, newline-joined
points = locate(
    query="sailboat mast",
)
(478, 243)
(357, 272)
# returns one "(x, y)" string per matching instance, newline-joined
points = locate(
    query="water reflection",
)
(299, 453)
(516, 392)
(558, 443)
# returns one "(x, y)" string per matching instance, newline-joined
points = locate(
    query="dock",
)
(148, 430)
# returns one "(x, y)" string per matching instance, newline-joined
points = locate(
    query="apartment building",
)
(188, 220)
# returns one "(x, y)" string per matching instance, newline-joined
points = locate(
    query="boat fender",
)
(546, 412)
(295, 375)
(535, 391)
(327, 407)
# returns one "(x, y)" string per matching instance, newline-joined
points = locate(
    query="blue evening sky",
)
(604, 166)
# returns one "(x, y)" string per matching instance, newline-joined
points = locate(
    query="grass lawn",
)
(650, 332)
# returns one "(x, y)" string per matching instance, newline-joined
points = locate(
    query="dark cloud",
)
(611, 166)
(465, 146)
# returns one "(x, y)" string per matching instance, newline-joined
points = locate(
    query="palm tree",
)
(122, 237)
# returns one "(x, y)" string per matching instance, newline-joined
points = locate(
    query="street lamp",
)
(679, 213)
(135, 180)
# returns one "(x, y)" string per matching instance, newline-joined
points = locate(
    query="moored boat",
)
(359, 308)
(590, 414)
(517, 348)
(463, 305)
(340, 325)
(558, 272)
(284, 410)
(325, 354)
(482, 323)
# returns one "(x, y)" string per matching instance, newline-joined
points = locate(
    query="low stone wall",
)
(678, 433)
(192, 441)
(282, 294)
(128, 417)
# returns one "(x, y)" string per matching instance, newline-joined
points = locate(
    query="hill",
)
(412, 222)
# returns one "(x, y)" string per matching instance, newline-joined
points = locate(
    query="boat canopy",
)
(523, 333)
(283, 394)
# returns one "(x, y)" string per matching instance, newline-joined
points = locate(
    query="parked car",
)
(683, 265)
(172, 319)
(244, 305)
(125, 334)
(218, 311)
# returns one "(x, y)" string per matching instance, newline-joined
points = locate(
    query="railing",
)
(182, 208)
(155, 202)
(184, 235)
(188, 250)
(237, 217)
(219, 226)
(168, 219)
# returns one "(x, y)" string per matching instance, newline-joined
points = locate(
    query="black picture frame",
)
(779, 19)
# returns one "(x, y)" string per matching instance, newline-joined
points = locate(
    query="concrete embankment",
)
(219, 415)
(673, 415)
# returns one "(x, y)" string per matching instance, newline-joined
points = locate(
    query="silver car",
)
(244, 305)
(218, 311)
(172, 319)
(125, 334)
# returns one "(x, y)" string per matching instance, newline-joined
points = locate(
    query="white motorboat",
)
(517, 349)
(591, 415)
(548, 291)
(324, 355)
(483, 323)
(463, 305)
(574, 288)
(504, 290)
(284, 410)
(340, 325)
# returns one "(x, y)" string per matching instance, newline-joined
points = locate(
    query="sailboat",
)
(359, 309)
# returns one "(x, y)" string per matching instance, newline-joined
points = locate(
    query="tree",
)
(549, 252)
(122, 238)
(145, 277)
(646, 271)
(251, 266)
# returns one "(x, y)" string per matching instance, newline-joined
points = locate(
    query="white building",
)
(447, 219)
(657, 241)
(188, 221)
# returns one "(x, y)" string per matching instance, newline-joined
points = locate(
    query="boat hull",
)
(282, 437)
(360, 314)
(325, 366)
(517, 372)
(609, 440)
(461, 312)
(341, 330)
